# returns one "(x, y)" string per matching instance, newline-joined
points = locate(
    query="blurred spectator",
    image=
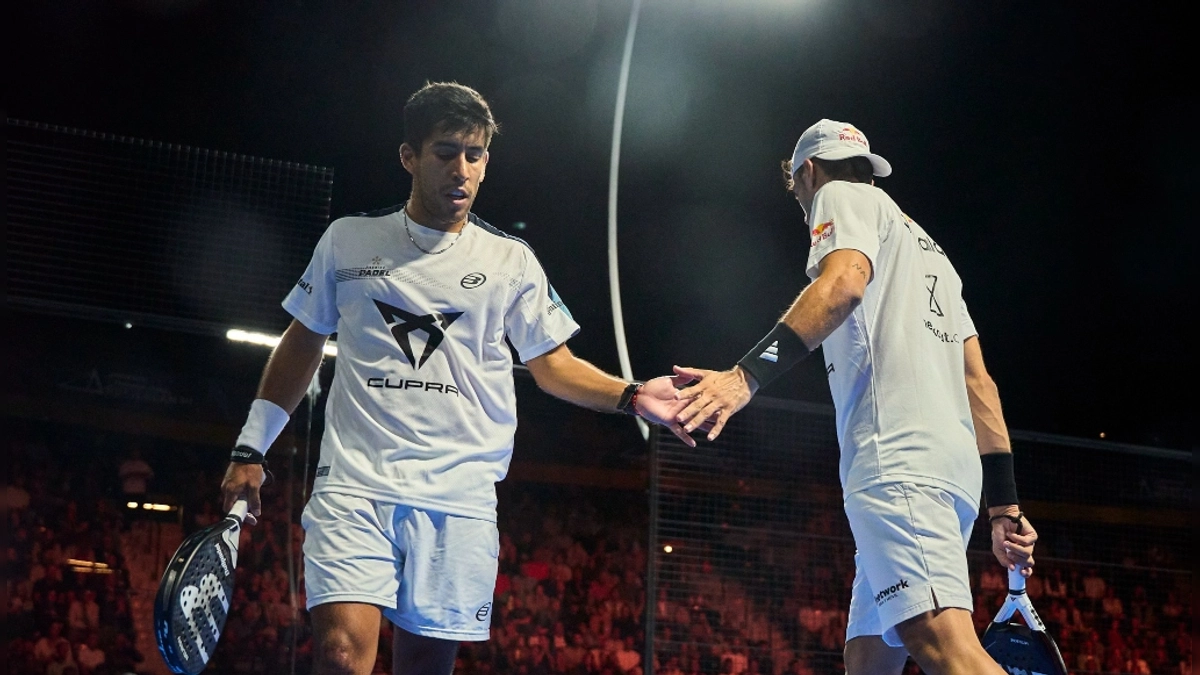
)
(123, 657)
(14, 496)
(1056, 587)
(1111, 604)
(83, 614)
(62, 662)
(992, 582)
(1094, 587)
(89, 655)
(627, 658)
(43, 649)
(135, 474)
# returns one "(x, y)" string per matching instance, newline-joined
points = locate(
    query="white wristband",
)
(263, 425)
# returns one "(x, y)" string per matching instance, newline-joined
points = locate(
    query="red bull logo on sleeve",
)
(849, 133)
(822, 232)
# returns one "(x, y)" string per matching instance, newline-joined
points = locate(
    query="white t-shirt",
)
(896, 364)
(422, 410)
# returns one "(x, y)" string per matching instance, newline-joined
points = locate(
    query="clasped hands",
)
(707, 404)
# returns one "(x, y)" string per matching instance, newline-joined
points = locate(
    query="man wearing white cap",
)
(918, 417)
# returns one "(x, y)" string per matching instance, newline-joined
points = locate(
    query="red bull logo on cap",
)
(849, 133)
(822, 232)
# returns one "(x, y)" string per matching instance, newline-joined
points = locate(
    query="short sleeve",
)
(538, 320)
(313, 300)
(966, 327)
(841, 219)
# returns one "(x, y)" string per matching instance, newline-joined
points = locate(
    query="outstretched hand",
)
(656, 403)
(715, 397)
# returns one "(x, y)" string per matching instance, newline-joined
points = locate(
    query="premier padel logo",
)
(483, 612)
(771, 353)
(473, 280)
(372, 271)
(402, 323)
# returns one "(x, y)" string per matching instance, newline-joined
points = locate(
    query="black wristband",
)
(774, 355)
(625, 405)
(244, 454)
(999, 483)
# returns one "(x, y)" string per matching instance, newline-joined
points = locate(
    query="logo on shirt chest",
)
(372, 271)
(403, 323)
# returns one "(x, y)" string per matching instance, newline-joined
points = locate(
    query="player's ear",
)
(808, 174)
(483, 174)
(408, 156)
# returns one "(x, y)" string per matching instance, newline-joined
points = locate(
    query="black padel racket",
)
(195, 592)
(1022, 649)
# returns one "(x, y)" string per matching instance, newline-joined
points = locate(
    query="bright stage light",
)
(150, 506)
(265, 340)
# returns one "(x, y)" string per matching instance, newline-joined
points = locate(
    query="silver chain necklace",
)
(422, 248)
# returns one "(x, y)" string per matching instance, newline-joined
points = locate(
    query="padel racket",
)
(194, 594)
(1022, 649)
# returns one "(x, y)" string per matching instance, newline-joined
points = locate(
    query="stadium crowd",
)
(570, 597)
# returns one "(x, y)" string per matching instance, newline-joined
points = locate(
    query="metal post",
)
(652, 549)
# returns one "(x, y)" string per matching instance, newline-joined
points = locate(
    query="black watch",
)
(625, 405)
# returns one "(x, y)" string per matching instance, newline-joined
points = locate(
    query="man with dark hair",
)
(425, 298)
(918, 416)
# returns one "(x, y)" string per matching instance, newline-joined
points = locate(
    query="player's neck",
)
(420, 216)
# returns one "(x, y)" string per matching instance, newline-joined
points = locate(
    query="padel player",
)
(425, 298)
(918, 416)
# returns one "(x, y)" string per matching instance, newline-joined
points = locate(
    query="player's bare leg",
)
(345, 638)
(943, 642)
(870, 655)
(420, 655)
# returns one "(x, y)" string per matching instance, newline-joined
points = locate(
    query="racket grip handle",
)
(239, 510)
(1016, 582)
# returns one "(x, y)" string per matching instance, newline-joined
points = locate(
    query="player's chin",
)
(457, 209)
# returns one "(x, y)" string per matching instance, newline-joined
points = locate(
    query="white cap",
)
(832, 140)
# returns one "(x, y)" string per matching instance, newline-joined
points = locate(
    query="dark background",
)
(1047, 148)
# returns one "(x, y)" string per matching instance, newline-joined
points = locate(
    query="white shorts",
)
(911, 558)
(431, 573)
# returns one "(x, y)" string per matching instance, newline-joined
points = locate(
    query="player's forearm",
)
(821, 308)
(567, 377)
(991, 433)
(291, 367)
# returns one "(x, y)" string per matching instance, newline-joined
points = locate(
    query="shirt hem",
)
(447, 507)
(864, 484)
